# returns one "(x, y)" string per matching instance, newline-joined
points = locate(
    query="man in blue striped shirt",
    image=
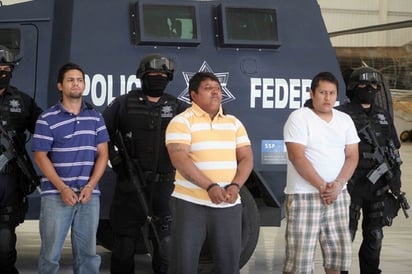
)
(70, 148)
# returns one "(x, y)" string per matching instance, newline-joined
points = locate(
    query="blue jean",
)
(56, 218)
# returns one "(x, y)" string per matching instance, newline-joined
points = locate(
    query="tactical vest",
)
(143, 128)
(379, 123)
(13, 112)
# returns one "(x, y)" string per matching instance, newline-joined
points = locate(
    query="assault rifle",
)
(379, 155)
(13, 148)
(135, 175)
(386, 159)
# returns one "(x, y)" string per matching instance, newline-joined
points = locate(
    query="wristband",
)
(233, 184)
(89, 186)
(211, 186)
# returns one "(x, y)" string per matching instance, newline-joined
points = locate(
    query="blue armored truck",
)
(264, 52)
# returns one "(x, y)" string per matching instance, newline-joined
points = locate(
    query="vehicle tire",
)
(405, 135)
(250, 233)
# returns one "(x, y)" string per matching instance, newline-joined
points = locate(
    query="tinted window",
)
(167, 24)
(11, 38)
(248, 27)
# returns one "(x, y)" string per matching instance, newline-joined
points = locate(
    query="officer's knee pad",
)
(374, 238)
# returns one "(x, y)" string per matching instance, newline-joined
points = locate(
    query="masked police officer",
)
(141, 118)
(18, 113)
(375, 186)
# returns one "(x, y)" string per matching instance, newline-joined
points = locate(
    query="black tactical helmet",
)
(6, 56)
(155, 63)
(363, 75)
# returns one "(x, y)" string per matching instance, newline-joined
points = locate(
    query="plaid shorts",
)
(307, 221)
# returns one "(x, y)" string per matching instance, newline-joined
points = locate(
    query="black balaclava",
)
(154, 85)
(5, 77)
(365, 95)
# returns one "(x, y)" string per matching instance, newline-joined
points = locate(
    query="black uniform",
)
(142, 125)
(18, 113)
(378, 206)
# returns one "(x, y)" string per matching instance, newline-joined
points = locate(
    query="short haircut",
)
(324, 76)
(198, 78)
(65, 68)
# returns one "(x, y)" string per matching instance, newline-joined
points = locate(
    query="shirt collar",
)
(200, 112)
(62, 109)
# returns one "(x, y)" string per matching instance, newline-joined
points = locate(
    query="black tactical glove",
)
(403, 203)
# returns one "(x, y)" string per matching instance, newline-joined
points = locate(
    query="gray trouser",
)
(193, 225)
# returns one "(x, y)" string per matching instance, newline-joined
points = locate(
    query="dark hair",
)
(323, 76)
(198, 78)
(65, 68)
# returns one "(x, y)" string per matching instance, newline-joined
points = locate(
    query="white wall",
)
(11, 2)
(343, 15)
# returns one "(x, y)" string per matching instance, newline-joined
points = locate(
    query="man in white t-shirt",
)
(322, 146)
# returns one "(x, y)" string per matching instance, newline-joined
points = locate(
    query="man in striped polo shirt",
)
(70, 148)
(212, 154)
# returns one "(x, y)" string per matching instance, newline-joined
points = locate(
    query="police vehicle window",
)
(167, 24)
(11, 38)
(248, 27)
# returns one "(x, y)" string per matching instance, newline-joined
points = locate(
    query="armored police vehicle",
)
(264, 52)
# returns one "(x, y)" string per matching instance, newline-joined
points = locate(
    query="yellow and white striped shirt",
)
(213, 146)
